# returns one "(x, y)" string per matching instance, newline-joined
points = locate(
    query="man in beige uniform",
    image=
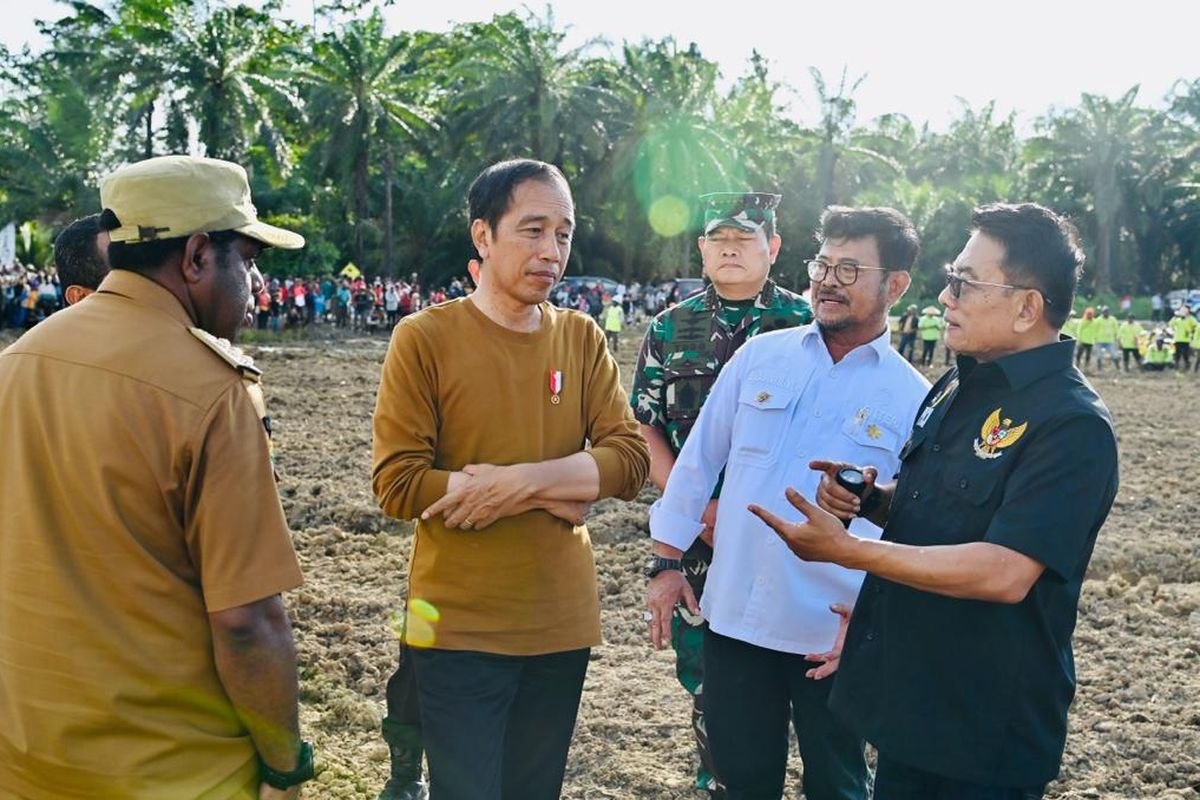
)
(144, 649)
(498, 416)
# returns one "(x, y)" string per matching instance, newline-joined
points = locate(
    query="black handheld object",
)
(853, 481)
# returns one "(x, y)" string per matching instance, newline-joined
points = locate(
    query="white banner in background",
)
(8, 246)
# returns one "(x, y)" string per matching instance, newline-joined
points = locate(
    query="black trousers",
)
(403, 700)
(498, 727)
(896, 781)
(927, 346)
(1183, 352)
(750, 694)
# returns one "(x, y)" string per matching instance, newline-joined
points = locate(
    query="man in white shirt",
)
(835, 389)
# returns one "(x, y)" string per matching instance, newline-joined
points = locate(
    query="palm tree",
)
(517, 92)
(1095, 148)
(225, 66)
(52, 136)
(217, 68)
(836, 140)
(666, 150)
(363, 89)
(1162, 196)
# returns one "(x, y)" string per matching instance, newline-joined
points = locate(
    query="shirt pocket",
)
(761, 424)
(873, 433)
(971, 484)
(686, 384)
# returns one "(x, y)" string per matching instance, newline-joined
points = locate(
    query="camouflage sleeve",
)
(803, 311)
(647, 395)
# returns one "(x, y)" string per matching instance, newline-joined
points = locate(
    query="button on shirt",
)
(1019, 452)
(779, 403)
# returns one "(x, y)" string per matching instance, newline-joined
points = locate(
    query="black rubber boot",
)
(407, 752)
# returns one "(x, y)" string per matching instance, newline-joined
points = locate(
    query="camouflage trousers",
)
(687, 639)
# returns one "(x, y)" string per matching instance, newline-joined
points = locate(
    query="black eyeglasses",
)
(954, 282)
(844, 272)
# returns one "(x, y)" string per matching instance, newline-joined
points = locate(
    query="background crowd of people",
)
(28, 296)
(354, 302)
(375, 304)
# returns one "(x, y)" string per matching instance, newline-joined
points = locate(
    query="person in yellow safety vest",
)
(1106, 338)
(614, 321)
(929, 328)
(1195, 343)
(1183, 326)
(1071, 326)
(1087, 338)
(1158, 355)
(1127, 336)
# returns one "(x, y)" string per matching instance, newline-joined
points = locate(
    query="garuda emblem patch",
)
(997, 434)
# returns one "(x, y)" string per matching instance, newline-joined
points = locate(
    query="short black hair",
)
(149, 256)
(894, 233)
(1041, 250)
(77, 256)
(490, 195)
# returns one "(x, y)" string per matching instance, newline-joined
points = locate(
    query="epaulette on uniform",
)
(229, 354)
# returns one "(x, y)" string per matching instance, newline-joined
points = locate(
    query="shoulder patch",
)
(231, 355)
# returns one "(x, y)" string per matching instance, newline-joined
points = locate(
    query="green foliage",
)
(366, 139)
(319, 256)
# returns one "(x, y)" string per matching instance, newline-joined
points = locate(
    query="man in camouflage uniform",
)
(685, 348)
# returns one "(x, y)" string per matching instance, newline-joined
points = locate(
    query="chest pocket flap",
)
(972, 483)
(685, 394)
(766, 396)
(687, 380)
(873, 433)
(761, 425)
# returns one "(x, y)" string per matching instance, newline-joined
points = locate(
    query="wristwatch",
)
(285, 780)
(657, 564)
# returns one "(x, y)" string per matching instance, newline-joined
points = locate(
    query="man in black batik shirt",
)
(958, 664)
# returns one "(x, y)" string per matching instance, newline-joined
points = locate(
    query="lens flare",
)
(678, 159)
(418, 627)
(669, 216)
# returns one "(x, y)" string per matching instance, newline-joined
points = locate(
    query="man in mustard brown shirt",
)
(144, 649)
(499, 418)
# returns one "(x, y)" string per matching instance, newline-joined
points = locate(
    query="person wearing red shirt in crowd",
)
(300, 300)
(263, 306)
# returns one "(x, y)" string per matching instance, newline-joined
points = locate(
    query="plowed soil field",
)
(1135, 725)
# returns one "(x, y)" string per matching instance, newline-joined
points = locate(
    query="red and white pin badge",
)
(556, 386)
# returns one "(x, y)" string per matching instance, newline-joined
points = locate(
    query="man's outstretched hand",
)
(819, 537)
